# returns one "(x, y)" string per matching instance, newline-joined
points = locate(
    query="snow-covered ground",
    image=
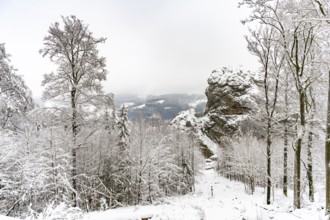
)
(215, 198)
(6, 218)
(229, 202)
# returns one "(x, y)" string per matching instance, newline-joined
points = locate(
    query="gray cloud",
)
(153, 46)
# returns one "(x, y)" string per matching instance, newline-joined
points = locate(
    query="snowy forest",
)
(260, 149)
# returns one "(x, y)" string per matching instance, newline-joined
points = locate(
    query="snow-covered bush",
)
(61, 211)
(161, 161)
(15, 97)
(33, 169)
(245, 161)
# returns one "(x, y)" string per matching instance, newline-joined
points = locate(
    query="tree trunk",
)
(269, 183)
(74, 147)
(310, 166)
(285, 160)
(54, 167)
(327, 155)
(149, 187)
(297, 174)
(193, 166)
(297, 157)
(309, 151)
(139, 199)
(141, 136)
(286, 138)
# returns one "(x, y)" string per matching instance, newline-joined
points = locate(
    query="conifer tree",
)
(124, 132)
(124, 163)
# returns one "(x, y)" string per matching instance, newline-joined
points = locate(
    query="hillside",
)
(163, 106)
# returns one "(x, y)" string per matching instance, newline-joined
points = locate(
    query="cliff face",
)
(232, 97)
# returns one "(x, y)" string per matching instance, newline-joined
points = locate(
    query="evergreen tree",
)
(123, 187)
(124, 132)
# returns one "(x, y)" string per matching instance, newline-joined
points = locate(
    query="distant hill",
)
(164, 106)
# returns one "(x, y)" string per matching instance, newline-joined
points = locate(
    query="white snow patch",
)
(228, 202)
(188, 116)
(197, 102)
(209, 143)
(139, 106)
(129, 104)
(236, 119)
(160, 101)
(183, 117)
(159, 212)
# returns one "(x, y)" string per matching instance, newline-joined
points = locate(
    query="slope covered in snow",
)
(216, 198)
(167, 106)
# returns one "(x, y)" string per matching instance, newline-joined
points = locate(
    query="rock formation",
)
(232, 97)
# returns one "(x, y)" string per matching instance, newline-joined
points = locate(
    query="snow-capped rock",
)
(232, 96)
(231, 91)
(189, 121)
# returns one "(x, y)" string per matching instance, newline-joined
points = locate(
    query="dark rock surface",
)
(232, 97)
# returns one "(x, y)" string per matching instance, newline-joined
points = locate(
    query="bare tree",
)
(245, 161)
(78, 77)
(262, 45)
(294, 23)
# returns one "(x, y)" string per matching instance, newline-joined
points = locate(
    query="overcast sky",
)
(152, 47)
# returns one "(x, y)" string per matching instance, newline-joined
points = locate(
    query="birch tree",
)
(77, 81)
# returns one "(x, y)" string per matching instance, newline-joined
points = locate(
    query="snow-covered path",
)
(229, 202)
